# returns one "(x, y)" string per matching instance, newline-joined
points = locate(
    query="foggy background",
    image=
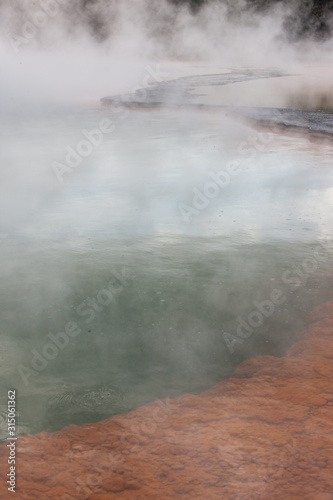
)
(81, 50)
(162, 20)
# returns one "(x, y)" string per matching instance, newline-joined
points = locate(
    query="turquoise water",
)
(180, 244)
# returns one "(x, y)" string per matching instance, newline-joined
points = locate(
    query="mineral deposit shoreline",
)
(264, 433)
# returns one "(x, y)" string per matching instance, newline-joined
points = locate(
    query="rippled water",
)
(128, 278)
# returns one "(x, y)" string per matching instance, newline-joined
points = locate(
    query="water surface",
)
(150, 253)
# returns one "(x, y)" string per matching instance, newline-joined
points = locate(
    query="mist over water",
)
(127, 239)
(58, 52)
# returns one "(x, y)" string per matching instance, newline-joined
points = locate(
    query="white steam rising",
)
(82, 50)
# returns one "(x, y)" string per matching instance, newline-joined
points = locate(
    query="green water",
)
(111, 297)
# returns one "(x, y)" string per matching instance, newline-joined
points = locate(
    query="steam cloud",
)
(183, 29)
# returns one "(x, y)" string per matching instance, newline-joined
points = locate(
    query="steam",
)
(84, 49)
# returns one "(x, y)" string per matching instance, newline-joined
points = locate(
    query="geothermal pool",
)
(148, 257)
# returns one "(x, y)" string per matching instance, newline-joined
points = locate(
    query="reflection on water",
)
(182, 244)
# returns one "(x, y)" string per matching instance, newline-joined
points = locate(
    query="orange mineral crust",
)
(265, 433)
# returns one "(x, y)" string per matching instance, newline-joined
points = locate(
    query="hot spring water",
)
(147, 258)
